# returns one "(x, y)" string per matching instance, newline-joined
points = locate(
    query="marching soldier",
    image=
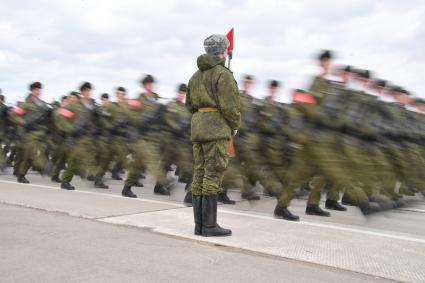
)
(31, 118)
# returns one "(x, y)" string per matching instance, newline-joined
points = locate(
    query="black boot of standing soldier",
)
(197, 213)
(210, 228)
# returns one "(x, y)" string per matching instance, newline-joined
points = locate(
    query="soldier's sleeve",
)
(228, 99)
(16, 116)
(170, 118)
(318, 87)
(63, 119)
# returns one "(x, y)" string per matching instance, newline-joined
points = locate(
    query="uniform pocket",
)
(221, 156)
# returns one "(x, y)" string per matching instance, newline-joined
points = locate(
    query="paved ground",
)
(47, 246)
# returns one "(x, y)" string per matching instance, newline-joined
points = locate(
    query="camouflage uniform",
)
(31, 119)
(213, 86)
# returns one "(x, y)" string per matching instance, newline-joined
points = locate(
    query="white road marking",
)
(330, 226)
(321, 225)
(413, 210)
(94, 193)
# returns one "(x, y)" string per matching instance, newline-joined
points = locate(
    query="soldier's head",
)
(217, 45)
(120, 93)
(104, 99)
(148, 83)
(325, 60)
(274, 86)
(247, 83)
(379, 85)
(419, 103)
(35, 89)
(401, 95)
(73, 96)
(86, 89)
(181, 93)
(64, 100)
(345, 73)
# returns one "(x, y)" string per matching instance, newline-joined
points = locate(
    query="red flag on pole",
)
(230, 38)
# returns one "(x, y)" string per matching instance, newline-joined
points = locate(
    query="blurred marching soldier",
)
(58, 156)
(240, 165)
(102, 141)
(119, 132)
(147, 119)
(176, 129)
(77, 120)
(4, 143)
(213, 100)
(31, 118)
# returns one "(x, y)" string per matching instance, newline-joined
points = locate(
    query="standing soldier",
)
(213, 100)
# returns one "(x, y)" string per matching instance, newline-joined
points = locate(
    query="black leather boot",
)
(56, 179)
(139, 184)
(210, 228)
(284, 213)
(161, 190)
(116, 176)
(67, 186)
(126, 192)
(334, 205)
(316, 210)
(197, 213)
(250, 195)
(188, 199)
(224, 198)
(347, 200)
(368, 208)
(98, 183)
(23, 180)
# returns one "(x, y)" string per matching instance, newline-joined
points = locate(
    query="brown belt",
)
(208, 109)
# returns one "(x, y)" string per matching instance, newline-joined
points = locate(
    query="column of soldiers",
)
(353, 136)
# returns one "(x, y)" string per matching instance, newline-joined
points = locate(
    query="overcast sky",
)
(111, 43)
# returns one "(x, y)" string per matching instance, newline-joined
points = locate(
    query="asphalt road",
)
(38, 246)
(95, 235)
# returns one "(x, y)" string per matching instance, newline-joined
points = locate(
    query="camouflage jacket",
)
(76, 119)
(177, 119)
(30, 116)
(213, 85)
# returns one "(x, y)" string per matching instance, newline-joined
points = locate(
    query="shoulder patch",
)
(304, 97)
(66, 113)
(18, 110)
(135, 104)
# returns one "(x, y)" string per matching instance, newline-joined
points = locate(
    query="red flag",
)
(230, 38)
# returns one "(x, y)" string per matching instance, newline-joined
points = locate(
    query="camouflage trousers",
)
(145, 155)
(30, 152)
(3, 149)
(210, 162)
(320, 162)
(79, 159)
